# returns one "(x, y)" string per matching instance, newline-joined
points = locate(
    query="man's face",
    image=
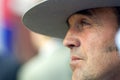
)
(90, 38)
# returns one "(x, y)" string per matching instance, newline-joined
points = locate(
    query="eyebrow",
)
(83, 12)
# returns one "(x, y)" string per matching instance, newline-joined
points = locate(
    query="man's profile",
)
(88, 27)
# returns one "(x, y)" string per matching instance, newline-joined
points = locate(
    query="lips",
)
(74, 58)
(75, 61)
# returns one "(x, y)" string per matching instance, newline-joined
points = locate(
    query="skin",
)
(94, 55)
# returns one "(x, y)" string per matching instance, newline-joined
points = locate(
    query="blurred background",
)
(25, 55)
(15, 39)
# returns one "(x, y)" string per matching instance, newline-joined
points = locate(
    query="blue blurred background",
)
(25, 55)
(16, 45)
(12, 32)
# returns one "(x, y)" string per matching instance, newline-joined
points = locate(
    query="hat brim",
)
(49, 18)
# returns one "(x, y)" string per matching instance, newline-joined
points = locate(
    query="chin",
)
(85, 75)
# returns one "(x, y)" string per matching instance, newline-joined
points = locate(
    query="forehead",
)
(94, 12)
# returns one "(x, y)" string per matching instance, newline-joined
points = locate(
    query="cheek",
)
(97, 38)
(95, 46)
(102, 64)
(91, 41)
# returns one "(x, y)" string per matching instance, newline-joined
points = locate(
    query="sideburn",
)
(111, 48)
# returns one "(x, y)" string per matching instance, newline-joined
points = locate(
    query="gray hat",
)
(49, 17)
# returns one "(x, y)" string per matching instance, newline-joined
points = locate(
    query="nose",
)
(71, 40)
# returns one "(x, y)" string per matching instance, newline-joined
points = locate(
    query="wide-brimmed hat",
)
(49, 17)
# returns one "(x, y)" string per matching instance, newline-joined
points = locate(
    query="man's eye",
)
(83, 23)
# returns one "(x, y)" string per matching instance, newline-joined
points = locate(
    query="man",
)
(92, 26)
